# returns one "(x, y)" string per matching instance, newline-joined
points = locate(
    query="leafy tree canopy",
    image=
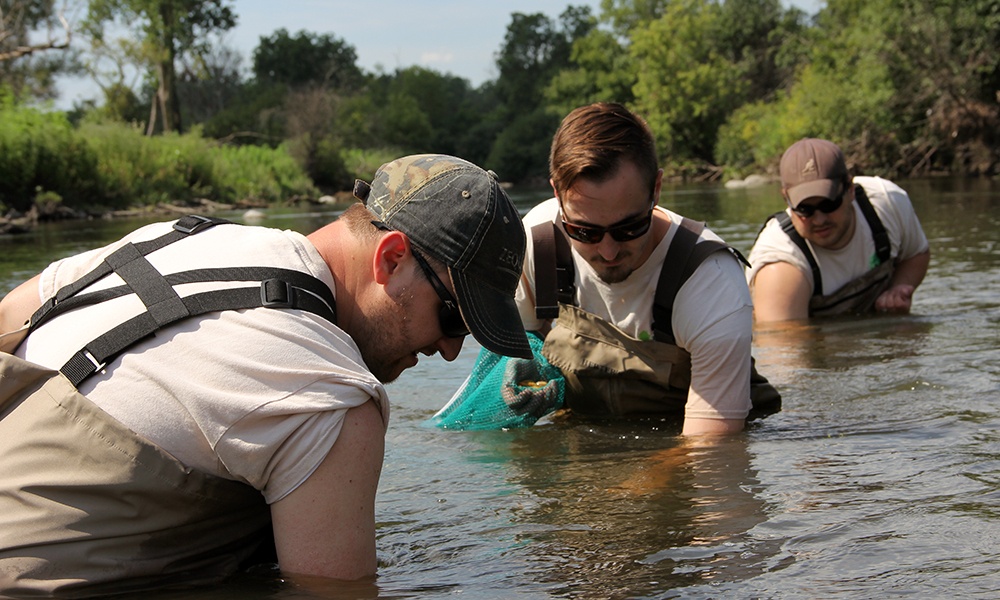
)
(307, 58)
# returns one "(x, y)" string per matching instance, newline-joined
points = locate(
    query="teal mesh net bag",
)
(504, 392)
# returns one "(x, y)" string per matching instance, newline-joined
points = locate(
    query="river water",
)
(879, 478)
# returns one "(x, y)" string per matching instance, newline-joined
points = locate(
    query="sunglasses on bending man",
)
(450, 319)
(452, 323)
(624, 231)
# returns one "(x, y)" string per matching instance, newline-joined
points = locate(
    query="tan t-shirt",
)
(257, 395)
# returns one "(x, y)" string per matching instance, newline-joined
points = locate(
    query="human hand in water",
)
(897, 298)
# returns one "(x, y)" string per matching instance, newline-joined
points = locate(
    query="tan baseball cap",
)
(812, 167)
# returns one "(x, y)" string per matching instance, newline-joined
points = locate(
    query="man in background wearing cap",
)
(648, 314)
(247, 397)
(841, 246)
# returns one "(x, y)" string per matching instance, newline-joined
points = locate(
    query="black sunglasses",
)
(451, 321)
(622, 232)
(826, 207)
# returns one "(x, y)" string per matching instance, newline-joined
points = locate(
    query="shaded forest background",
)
(906, 87)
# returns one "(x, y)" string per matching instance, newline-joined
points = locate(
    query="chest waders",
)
(859, 294)
(87, 506)
(607, 371)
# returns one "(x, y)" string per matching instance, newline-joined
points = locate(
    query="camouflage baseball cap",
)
(458, 213)
(812, 167)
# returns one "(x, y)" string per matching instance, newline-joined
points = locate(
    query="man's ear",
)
(389, 253)
(555, 192)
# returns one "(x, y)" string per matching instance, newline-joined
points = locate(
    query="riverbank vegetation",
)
(906, 87)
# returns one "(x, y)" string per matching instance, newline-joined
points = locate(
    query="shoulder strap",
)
(184, 227)
(684, 256)
(553, 270)
(883, 249)
(278, 288)
(786, 225)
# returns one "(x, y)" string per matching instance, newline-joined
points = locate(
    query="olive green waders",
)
(87, 507)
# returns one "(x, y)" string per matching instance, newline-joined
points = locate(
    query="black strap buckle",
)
(192, 223)
(276, 293)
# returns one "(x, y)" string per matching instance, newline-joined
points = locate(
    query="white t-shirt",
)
(257, 396)
(712, 318)
(839, 267)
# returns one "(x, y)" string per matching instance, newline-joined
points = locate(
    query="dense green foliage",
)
(98, 167)
(906, 87)
(42, 152)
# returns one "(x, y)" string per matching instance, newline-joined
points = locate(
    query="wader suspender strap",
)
(685, 255)
(553, 258)
(553, 263)
(184, 227)
(279, 288)
(786, 225)
(883, 249)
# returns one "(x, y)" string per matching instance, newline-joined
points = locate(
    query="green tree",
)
(763, 40)
(945, 65)
(209, 83)
(307, 59)
(847, 90)
(624, 16)
(309, 114)
(520, 153)
(167, 29)
(444, 103)
(685, 87)
(535, 49)
(904, 86)
(601, 70)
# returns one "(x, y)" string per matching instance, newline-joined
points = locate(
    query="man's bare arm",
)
(326, 526)
(907, 276)
(780, 292)
(696, 426)
(18, 306)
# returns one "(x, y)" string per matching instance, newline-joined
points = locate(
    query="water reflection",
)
(627, 509)
(797, 347)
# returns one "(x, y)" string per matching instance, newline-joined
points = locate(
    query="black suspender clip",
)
(276, 293)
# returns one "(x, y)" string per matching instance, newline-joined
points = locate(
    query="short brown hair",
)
(358, 219)
(592, 142)
(359, 222)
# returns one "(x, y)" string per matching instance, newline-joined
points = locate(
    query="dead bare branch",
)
(51, 44)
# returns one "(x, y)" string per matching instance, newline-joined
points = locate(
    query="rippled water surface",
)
(879, 478)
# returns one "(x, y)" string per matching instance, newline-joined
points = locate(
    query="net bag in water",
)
(504, 392)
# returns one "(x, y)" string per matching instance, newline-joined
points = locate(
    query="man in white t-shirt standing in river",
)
(842, 245)
(218, 383)
(644, 312)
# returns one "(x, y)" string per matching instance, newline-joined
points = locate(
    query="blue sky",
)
(449, 36)
(459, 37)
